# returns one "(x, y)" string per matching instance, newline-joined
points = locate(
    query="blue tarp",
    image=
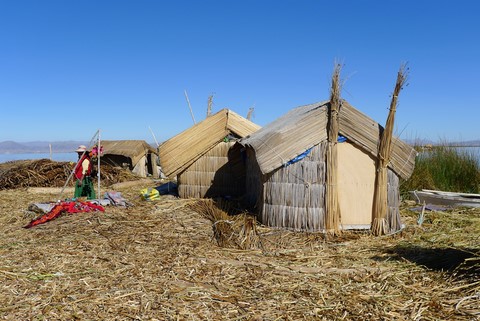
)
(341, 139)
(298, 158)
(167, 188)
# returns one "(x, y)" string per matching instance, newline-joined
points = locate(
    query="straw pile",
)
(234, 231)
(158, 261)
(47, 173)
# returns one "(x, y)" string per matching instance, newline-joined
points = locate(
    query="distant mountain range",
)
(11, 147)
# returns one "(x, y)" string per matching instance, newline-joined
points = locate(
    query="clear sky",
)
(70, 67)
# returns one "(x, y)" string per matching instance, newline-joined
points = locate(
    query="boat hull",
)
(446, 198)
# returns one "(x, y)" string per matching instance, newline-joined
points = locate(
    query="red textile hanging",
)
(65, 207)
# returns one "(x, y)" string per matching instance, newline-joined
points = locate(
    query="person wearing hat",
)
(83, 170)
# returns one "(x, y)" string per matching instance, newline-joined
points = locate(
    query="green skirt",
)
(84, 188)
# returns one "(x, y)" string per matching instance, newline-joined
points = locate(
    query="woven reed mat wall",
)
(212, 175)
(294, 196)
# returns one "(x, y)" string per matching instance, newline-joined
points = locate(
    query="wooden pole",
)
(189, 106)
(154, 138)
(380, 224)
(98, 164)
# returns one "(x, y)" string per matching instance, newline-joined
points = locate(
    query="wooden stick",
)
(189, 106)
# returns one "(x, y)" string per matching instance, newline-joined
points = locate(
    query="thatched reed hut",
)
(136, 155)
(286, 169)
(198, 156)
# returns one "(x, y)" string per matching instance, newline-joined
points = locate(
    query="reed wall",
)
(213, 175)
(294, 196)
(254, 181)
(394, 223)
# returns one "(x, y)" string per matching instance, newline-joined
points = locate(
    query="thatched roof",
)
(306, 126)
(134, 149)
(180, 151)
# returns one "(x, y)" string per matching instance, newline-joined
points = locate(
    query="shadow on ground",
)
(464, 263)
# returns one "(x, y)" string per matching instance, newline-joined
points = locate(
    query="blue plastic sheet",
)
(298, 158)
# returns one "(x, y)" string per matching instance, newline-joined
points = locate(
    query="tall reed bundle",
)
(332, 220)
(250, 113)
(209, 105)
(379, 212)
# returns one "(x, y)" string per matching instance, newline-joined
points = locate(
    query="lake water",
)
(59, 157)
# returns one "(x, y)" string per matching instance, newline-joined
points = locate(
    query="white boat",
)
(452, 199)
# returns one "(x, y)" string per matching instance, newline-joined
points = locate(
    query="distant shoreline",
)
(58, 157)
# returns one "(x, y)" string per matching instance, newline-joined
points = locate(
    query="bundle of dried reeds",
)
(209, 105)
(43, 172)
(332, 221)
(232, 231)
(379, 214)
(47, 173)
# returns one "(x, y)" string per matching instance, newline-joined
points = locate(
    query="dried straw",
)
(380, 202)
(230, 231)
(158, 261)
(47, 173)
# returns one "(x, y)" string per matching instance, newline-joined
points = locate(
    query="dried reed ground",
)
(159, 261)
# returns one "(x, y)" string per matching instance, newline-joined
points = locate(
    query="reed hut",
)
(286, 169)
(136, 155)
(199, 156)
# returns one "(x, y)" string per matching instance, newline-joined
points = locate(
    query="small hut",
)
(286, 169)
(136, 155)
(199, 156)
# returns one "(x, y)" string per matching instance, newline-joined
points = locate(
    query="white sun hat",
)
(81, 149)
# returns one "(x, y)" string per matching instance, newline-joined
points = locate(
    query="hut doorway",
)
(356, 181)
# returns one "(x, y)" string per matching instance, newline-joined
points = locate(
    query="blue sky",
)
(68, 68)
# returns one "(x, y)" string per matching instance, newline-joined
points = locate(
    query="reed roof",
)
(180, 151)
(306, 126)
(134, 149)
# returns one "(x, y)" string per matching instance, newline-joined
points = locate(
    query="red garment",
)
(79, 167)
(68, 207)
